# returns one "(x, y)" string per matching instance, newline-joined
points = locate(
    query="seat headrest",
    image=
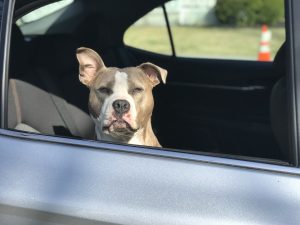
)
(56, 53)
(278, 104)
(279, 63)
(18, 52)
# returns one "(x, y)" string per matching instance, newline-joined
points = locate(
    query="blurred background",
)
(224, 29)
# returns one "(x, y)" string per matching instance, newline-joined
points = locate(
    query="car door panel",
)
(60, 183)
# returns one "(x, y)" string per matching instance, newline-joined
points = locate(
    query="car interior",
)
(232, 108)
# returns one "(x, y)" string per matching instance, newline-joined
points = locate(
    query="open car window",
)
(203, 103)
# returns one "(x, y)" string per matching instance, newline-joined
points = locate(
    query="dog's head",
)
(121, 100)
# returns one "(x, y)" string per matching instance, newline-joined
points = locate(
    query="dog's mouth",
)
(120, 130)
(119, 125)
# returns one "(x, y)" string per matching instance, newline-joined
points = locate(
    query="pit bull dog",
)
(120, 100)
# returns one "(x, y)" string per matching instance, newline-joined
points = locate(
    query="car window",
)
(154, 32)
(208, 29)
(39, 21)
(200, 105)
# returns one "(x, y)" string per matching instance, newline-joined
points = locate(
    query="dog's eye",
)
(137, 90)
(105, 90)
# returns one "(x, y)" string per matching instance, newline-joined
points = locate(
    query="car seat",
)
(279, 105)
(36, 101)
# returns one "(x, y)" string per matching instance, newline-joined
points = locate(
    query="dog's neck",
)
(145, 136)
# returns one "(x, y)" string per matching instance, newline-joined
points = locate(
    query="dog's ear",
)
(154, 73)
(90, 64)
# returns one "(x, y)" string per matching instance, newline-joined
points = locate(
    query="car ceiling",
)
(115, 15)
(119, 13)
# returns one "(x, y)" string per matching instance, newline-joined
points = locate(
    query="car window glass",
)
(150, 33)
(39, 21)
(208, 29)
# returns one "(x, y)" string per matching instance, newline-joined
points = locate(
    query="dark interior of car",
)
(227, 107)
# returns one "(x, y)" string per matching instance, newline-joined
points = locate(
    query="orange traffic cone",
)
(264, 50)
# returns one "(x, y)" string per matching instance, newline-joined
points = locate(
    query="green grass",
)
(238, 43)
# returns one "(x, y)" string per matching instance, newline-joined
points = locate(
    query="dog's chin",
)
(120, 130)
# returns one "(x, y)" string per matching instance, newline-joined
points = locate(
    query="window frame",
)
(172, 45)
(172, 52)
(6, 26)
(293, 81)
(209, 158)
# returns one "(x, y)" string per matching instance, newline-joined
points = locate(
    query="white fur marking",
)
(120, 91)
(121, 84)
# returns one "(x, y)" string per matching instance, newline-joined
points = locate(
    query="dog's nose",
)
(121, 106)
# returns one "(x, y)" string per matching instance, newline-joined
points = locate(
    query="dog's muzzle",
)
(120, 127)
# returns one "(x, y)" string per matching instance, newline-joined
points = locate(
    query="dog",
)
(120, 99)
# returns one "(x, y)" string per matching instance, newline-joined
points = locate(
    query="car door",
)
(55, 180)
